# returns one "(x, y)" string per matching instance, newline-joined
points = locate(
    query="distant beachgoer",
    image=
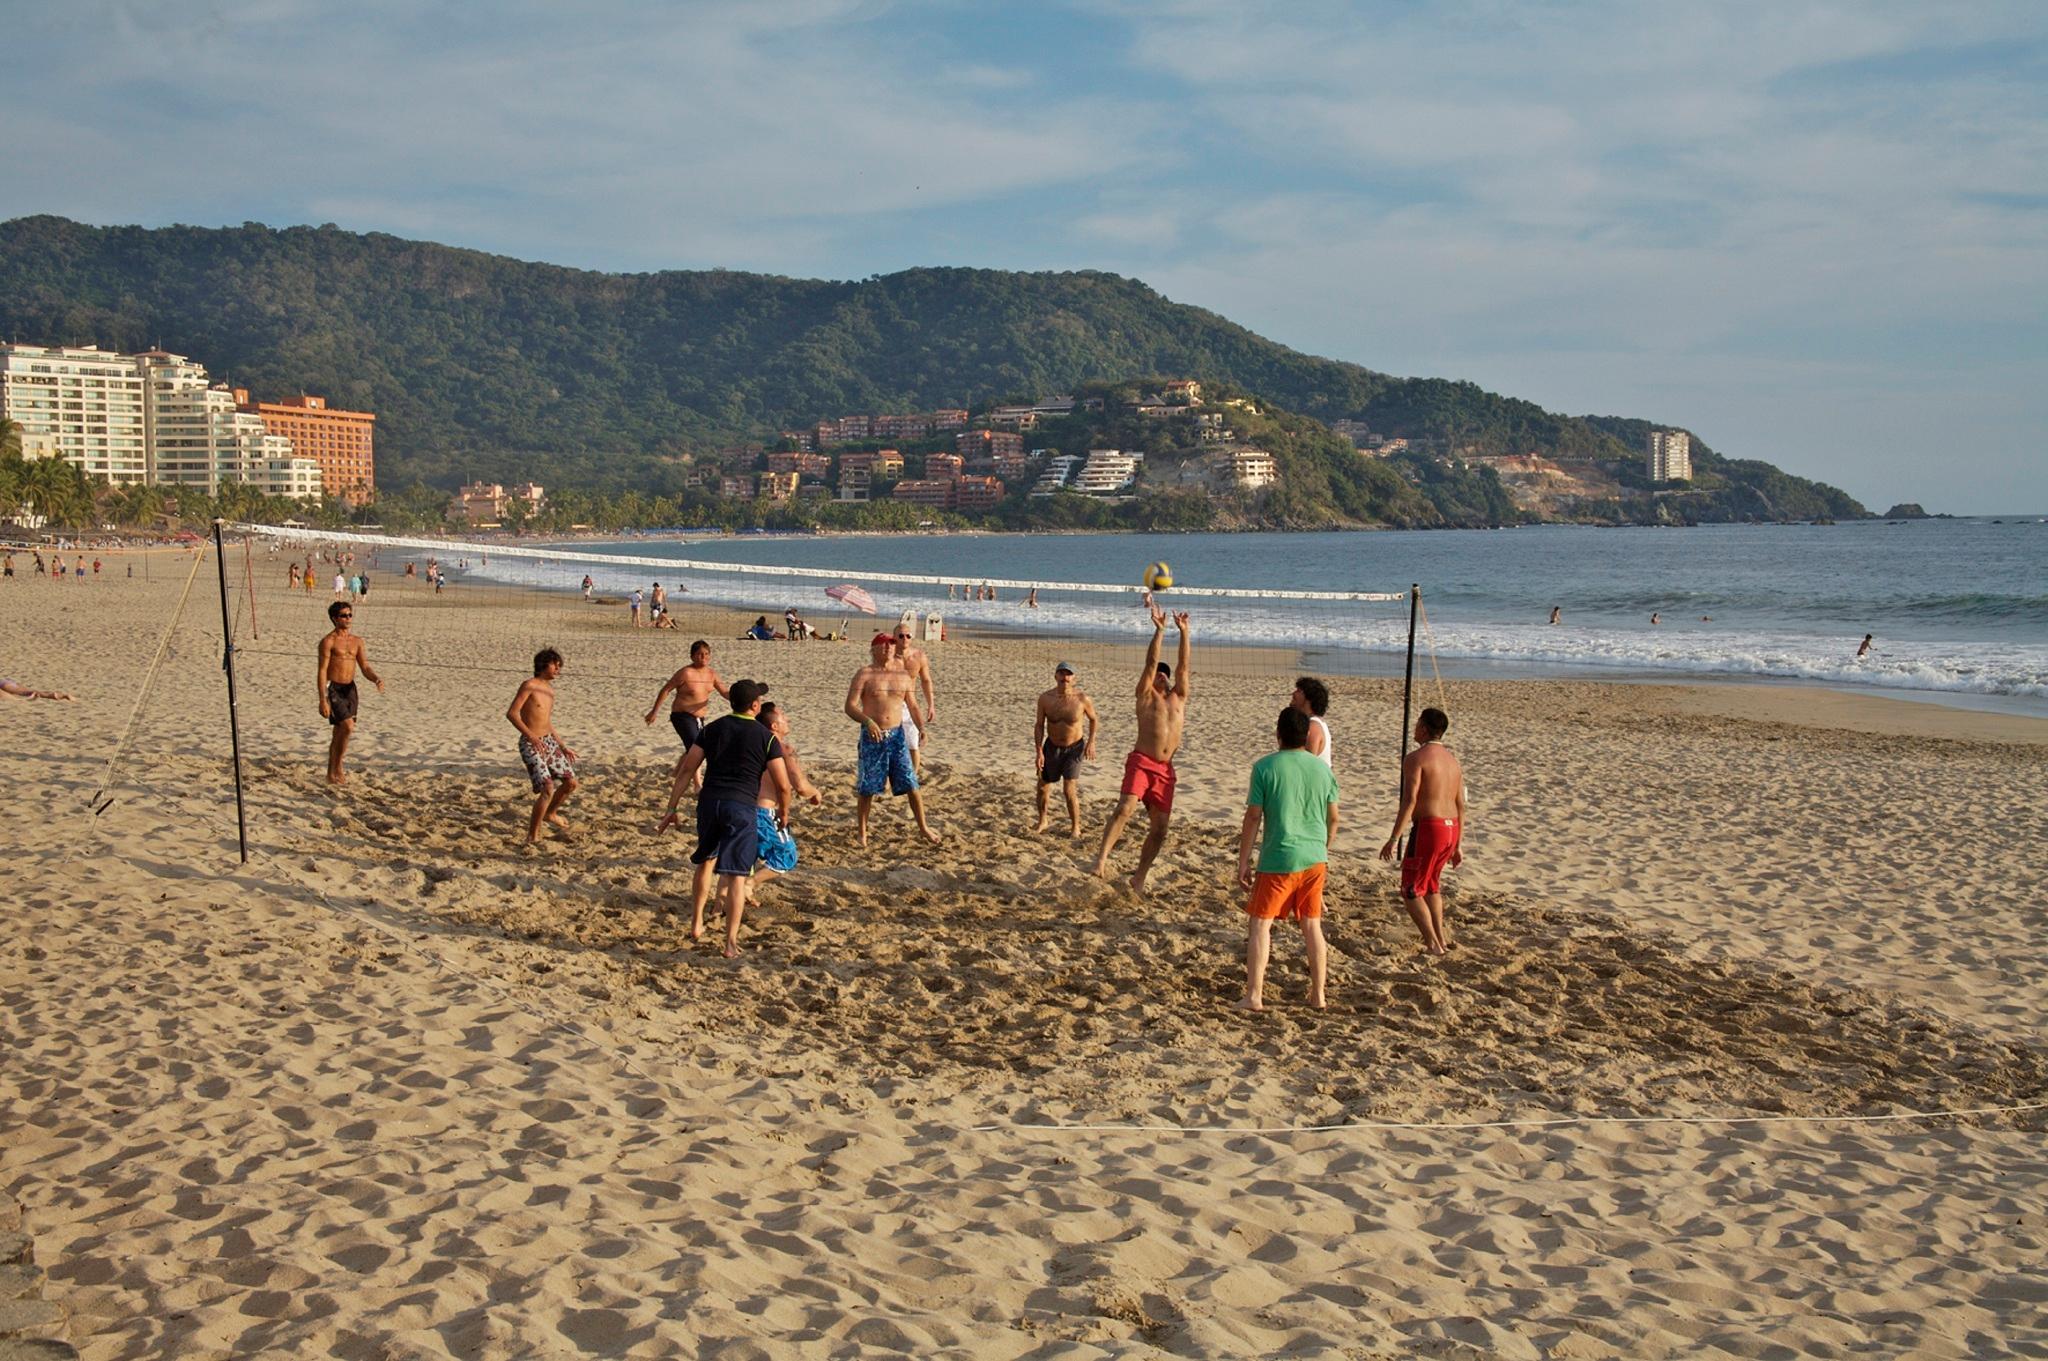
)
(1162, 699)
(1031, 598)
(1433, 799)
(1706, 619)
(19, 691)
(588, 586)
(657, 605)
(1556, 613)
(340, 585)
(918, 663)
(1291, 813)
(1062, 737)
(337, 659)
(882, 699)
(1312, 697)
(760, 632)
(40, 569)
(550, 764)
(737, 754)
(693, 686)
(778, 842)
(7, 570)
(1654, 620)
(949, 591)
(291, 575)
(95, 569)
(1863, 649)
(78, 568)
(363, 583)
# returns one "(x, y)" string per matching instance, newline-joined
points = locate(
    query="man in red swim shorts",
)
(1433, 799)
(1148, 770)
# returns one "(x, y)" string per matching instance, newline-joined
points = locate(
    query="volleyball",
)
(1158, 576)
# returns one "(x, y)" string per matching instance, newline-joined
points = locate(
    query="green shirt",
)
(1294, 790)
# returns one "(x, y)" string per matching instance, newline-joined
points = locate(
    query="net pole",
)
(1408, 684)
(249, 575)
(227, 663)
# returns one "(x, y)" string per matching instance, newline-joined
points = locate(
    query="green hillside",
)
(478, 364)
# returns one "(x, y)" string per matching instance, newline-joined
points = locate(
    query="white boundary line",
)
(778, 570)
(1374, 1126)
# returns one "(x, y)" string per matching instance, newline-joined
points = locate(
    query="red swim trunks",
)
(1429, 850)
(1297, 896)
(1150, 780)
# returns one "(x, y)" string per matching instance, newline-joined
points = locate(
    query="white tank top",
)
(1329, 745)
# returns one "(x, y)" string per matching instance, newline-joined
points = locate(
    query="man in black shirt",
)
(737, 753)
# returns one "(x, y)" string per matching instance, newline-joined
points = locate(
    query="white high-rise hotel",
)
(1670, 456)
(150, 418)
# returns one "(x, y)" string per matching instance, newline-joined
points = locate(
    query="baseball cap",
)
(885, 639)
(1067, 667)
(743, 693)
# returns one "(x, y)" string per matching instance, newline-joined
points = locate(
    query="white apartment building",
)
(83, 403)
(1670, 456)
(1252, 468)
(151, 418)
(1058, 471)
(1107, 472)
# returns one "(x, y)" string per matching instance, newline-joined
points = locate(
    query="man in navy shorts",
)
(737, 754)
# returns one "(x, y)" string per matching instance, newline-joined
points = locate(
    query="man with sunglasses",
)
(918, 663)
(340, 655)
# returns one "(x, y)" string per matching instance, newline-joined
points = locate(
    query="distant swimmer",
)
(337, 659)
(1312, 697)
(1162, 700)
(693, 687)
(1062, 737)
(1291, 815)
(918, 663)
(1031, 599)
(1863, 650)
(1706, 619)
(16, 690)
(883, 700)
(550, 764)
(1655, 619)
(1556, 613)
(738, 755)
(1433, 799)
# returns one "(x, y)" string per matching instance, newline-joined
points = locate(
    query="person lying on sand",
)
(8, 687)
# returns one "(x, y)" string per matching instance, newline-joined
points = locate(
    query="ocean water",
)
(1959, 607)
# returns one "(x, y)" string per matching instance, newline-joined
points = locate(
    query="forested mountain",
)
(477, 363)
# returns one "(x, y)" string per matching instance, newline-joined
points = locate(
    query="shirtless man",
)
(1062, 736)
(881, 699)
(339, 655)
(550, 765)
(1433, 798)
(693, 687)
(771, 821)
(918, 663)
(1148, 770)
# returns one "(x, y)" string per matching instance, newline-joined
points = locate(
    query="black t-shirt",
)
(736, 752)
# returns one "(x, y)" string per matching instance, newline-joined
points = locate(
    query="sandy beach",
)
(401, 1088)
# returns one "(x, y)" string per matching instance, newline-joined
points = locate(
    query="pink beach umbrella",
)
(852, 597)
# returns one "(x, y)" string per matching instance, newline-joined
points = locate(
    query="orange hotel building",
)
(340, 440)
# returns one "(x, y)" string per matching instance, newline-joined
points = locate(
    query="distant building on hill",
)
(479, 504)
(1669, 456)
(775, 486)
(154, 419)
(1107, 473)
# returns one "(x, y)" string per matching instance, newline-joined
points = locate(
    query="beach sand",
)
(400, 1088)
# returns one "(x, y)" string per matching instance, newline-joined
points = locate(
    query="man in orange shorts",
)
(1433, 798)
(1295, 795)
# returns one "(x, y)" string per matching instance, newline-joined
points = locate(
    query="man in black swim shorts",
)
(1062, 737)
(340, 656)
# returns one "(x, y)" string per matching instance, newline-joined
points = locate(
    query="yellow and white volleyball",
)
(1158, 577)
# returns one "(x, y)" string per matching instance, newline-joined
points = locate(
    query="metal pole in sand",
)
(227, 662)
(1408, 686)
(249, 575)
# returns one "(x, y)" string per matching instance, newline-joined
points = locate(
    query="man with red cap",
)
(882, 696)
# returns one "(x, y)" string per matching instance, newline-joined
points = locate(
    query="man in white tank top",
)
(1312, 697)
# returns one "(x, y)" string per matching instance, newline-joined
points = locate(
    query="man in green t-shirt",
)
(1295, 795)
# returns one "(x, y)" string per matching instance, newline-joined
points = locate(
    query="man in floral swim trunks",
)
(550, 764)
(880, 698)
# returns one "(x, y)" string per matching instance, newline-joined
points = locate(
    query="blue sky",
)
(1814, 233)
